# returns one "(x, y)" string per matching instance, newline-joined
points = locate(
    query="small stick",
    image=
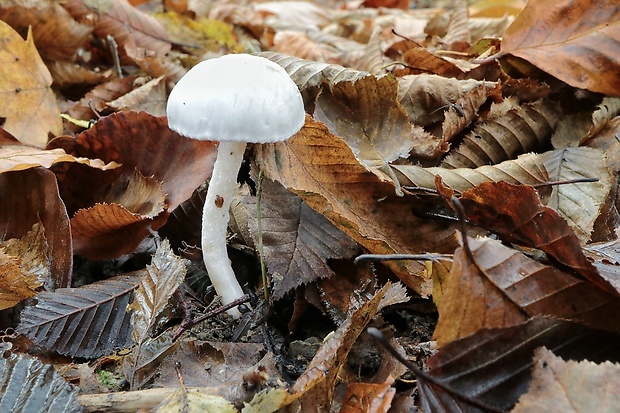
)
(191, 323)
(394, 257)
(460, 213)
(259, 222)
(115, 58)
(566, 181)
(380, 338)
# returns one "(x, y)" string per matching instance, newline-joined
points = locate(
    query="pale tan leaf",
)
(308, 74)
(158, 282)
(293, 15)
(422, 95)
(371, 59)
(579, 203)
(458, 29)
(570, 386)
(505, 135)
(527, 169)
(150, 98)
(19, 157)
(194, 400)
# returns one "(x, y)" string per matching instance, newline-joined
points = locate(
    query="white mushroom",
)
(233, 99)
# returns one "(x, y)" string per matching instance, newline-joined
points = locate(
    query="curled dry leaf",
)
(570, 386)
(579, 203)
(20, 157)
(29, 198)
(27, 102)
(508, 132)
(515, 213)
(322, 169)
(502, 287)
(142, 143)
(559, 39)
(149, 97)
(527, 169)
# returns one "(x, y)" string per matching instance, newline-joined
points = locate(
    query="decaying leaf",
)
(89, 321)
(28, 385)
(493, 366)
(297, 241)
(334, 184)
(570, 386)
(20, 157)
(29, 198)
(27, 102)
(23, 266)
(516, 214)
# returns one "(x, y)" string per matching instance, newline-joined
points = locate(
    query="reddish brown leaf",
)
(575, 41)
(368, 397)
(503, 287)
(515, 213)
(143, 143)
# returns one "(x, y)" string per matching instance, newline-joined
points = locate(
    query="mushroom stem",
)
(215, 217)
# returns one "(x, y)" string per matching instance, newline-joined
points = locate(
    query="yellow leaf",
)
(26, 100)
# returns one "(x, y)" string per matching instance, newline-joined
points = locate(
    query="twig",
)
(115, 58)
(395, 257)
(380, 338)
(191, 323)
(566, 181)
(259, 222)
(460, 213)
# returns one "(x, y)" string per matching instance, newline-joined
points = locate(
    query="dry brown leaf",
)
(371, 58)
(56, 34)
(503, 287)
(508, 132)
(293, 15)
(27, 102)
(23, 266)
(559, 39)
(30, 197)
(458, 28)
(150, 98)
(515, 213)
(314, 389)
(606, 258)
(570, 386)
(528, 169)
(123, 22)
(323, 170)
(420, 60)
(301, 45)
(66, 74)
(366, 115)
(368, 397)
(297, 241)
(424, 96)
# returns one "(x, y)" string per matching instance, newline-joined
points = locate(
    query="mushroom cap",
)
(236, 97)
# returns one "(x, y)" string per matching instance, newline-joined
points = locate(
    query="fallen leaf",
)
(570, 386)
(27, 102)
(558, 38)
(502, 287)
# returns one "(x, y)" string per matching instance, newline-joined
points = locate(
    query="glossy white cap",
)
(237, 97)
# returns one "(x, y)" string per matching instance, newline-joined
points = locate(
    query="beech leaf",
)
(570, 386)
(89, 321)
(27, 102)
(559, 38)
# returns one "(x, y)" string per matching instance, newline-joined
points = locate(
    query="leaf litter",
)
(410, 111)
